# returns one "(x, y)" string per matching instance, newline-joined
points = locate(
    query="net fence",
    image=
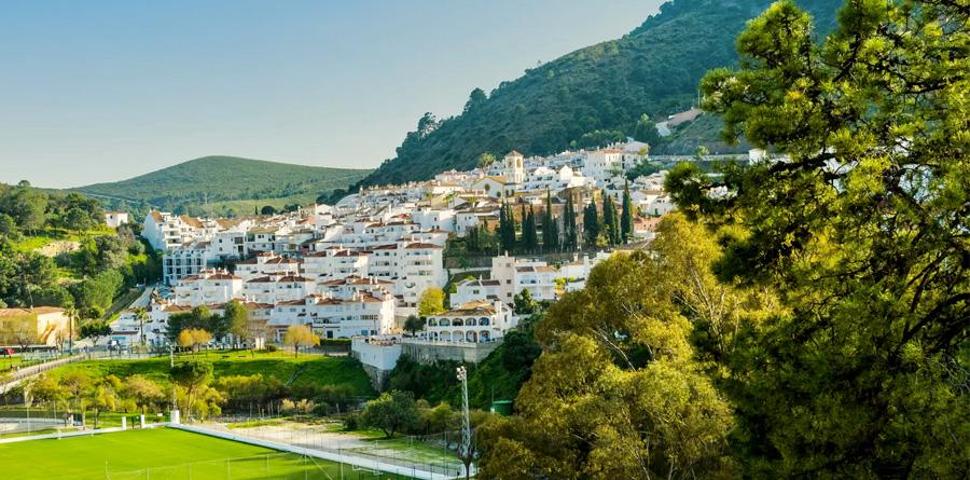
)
(435, 454)
(276, 465)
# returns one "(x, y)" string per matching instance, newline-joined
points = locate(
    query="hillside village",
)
(358, 269)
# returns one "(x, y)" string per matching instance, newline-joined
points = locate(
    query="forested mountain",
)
(593, 94)
(215, 179)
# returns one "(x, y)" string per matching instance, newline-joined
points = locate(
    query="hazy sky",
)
(105, 90)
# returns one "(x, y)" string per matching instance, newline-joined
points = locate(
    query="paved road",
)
(144, 299)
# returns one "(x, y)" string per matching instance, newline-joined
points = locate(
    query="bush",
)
(352, 422)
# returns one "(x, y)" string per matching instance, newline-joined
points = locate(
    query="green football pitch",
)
(161, 454)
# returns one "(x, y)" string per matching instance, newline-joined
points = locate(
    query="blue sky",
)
(106, 90)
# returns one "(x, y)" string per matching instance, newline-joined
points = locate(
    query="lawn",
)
(300, 371)
(8, 362)
(168, 454)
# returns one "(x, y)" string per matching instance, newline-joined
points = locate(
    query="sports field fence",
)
(275, 465)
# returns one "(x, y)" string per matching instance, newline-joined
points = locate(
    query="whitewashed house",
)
(276, 288)
(475, 322)
(116, 219)
(267, 263)
(473, 289)
(207, 287)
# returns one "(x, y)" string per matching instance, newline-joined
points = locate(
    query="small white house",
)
(475, 322)
(116, 219)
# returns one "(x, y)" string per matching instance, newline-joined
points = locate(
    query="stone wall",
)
(429, 352)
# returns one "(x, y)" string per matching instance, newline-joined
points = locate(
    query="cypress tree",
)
(506, 228)
(626, 221)
(570, 231)
(611, 221)
(529, 231)
(591, 224)
(550, 231)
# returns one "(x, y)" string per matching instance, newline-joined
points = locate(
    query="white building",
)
(601, 165)
(331, 317)
(514, 168)
(187, 260)
(544, 178)
(267, 263)
(475, 322)
(472, 289)
(116, 219)
(163, 230)
(276, 288)
(208, 287)
(335, 262)
(421, 268)
(539, 279)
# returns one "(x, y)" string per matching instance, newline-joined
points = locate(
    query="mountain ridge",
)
(596, 93)
(224, 178)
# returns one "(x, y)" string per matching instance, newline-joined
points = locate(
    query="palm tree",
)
(141, 314)
(73, 316)
(485, 160)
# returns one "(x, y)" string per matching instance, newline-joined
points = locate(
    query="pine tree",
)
(591, 224)
(626, 221)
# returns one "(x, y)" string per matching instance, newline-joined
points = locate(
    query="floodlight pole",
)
(465, 451)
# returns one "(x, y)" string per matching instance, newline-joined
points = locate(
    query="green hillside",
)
(217, 181)
(599, 91)
(308, 371)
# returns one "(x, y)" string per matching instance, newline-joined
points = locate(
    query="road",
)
(144, 299)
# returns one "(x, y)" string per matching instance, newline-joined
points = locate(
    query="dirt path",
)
(58, 247)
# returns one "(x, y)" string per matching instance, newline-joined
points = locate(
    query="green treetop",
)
(863, 227)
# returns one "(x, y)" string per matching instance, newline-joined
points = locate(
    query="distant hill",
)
(210, 183)
(598, 92)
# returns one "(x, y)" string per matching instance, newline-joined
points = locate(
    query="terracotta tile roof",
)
(191, 221)
(471, 309)
(294, 278)
(419, 245)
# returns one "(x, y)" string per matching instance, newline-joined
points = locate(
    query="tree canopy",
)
(807, 315)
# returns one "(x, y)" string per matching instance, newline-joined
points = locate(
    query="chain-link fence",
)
(433, 454)
(276, 465)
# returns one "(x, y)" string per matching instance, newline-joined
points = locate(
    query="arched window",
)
(444, 322)
(457, 322)
(472, 337)
(432, 322)
(484, 336)
(483, 321)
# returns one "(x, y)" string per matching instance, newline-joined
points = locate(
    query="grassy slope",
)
(42, 238)
(168, 451)
(654, 70)
(487, 381)
(307, 369)
(222, 178)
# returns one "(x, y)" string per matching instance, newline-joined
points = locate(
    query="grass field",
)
(303, 370)
(159, 454)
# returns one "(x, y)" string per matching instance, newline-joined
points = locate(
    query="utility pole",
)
(465, 449)
(70, 335)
